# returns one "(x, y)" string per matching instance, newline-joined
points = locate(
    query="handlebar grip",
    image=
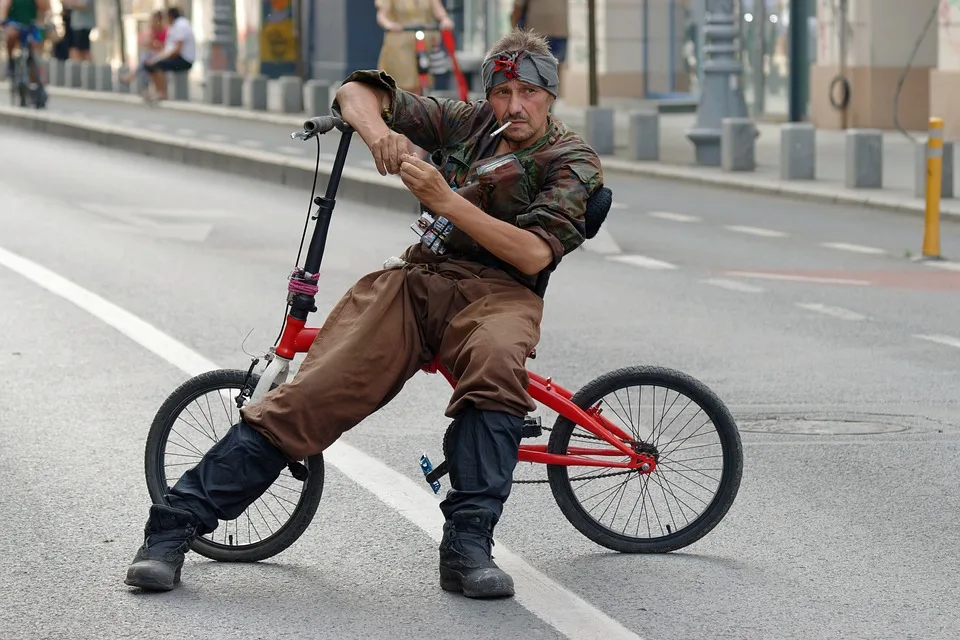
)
(320, 125)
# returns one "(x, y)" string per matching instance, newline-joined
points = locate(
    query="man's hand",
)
(388, 151)
(424, 181)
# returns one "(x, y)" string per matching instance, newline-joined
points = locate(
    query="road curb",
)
(357, 185)
(793, 192)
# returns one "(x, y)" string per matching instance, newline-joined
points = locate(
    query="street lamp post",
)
(722, 93)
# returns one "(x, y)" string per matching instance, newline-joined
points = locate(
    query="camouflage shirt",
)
(547, 197)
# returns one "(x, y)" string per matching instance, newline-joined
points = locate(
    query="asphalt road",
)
(842, 376)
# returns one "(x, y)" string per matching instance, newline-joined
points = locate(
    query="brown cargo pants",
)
(481, 322)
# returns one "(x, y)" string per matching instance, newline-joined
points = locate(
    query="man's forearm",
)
(4, 9)
(362, 106)
(526, 251)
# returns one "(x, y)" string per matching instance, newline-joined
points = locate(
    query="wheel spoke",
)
(672, 499)
(184, 447)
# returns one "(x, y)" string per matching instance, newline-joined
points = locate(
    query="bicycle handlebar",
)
(320, 125)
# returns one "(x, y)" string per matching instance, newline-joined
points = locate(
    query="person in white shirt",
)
(178, 55)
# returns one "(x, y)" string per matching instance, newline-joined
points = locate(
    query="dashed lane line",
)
(558, 607)
(756, 231)
(836, 312)
(602, 243)
(944, 264)
(673, 217)
(643, 262)
(855, 248)
(940, 339)
(252, 144)
(733, 285)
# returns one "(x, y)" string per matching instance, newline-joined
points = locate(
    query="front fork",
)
(274, 374)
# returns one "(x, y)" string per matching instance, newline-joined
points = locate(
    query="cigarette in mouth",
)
(501, 129)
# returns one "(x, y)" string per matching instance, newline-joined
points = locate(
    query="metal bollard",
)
(931, 223)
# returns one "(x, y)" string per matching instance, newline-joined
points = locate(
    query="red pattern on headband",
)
(508, 63)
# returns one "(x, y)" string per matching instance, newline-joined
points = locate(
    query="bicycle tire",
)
(173, 406)
(592, 393)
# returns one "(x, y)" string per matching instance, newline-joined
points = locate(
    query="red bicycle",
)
(676, 445)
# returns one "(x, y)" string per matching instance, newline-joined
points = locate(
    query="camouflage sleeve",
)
(430, 123)
(557, 214)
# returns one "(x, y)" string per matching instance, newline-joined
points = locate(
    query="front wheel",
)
(694, 439)
(190, 421)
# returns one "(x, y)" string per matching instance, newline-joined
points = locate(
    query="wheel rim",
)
(201, 421)
(679, 493)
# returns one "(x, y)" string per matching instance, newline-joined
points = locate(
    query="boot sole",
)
(148, 580)
(452, 581)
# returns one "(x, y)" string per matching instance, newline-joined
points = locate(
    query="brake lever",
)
(303, 135)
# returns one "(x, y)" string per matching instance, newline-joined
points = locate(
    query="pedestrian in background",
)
(398, 55)
(83, 19)
(548, 18)
(151, 44)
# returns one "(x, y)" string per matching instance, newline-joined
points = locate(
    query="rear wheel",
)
(190, 421)
(690, 432)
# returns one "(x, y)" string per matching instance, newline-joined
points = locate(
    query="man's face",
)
(525, 106)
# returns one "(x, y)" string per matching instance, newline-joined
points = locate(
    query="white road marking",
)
(127, 122)
(794, 278)
(756, 231)
(549, 601)
(643, 261)
(253, 144)
(186, 132)
(856, 248)
(949, 266)
(153, 126)
(602, 243)
(947, 340)
(734, 285)
(216, 137)
(836, 312)
(618, 205)
(673, 217)
(290, 151)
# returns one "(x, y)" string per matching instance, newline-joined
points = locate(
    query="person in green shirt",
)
(24, 13)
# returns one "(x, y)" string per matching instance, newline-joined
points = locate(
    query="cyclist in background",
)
(23, 12)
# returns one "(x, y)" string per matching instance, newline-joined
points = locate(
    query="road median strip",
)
(386, 190)
(357, 185)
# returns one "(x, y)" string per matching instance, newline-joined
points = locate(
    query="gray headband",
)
(529, 67)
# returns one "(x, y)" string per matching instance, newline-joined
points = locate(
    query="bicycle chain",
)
(602, 475)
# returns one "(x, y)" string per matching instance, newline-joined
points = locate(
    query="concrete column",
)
(945, 78)
(880, 37)
(622, 52)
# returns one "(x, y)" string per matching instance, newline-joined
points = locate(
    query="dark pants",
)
(175, 63)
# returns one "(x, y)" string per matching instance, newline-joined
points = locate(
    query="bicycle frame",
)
(297, 338)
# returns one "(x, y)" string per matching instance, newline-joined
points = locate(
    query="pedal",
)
(298, 471)
(531, 427)
(432, 475)
(439, 472)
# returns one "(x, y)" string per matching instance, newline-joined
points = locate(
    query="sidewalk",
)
(676, 153)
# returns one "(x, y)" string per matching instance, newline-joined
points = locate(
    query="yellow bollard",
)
(931, 224)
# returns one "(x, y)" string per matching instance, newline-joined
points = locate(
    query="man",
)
(547, 17)
(178, 55)
(23, 12)
(473, 306)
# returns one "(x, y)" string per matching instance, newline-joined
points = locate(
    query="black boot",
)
(483, 455)
(229, 478)
(466, 563)
(166, 537)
